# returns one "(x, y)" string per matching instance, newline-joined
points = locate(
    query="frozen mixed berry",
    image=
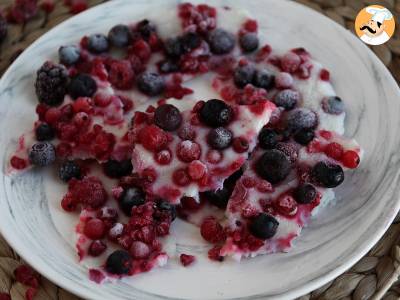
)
(287, 99)
(150, 84)
(243, 75)
(97, 248)
(145, 28)
(119, 262)
(212, 231)
(219, 198)
(304, 136)
(42, 154)
(221, 41)
(44, 132)
(94, 229)
(327, 174)
(215, 113)
(167, 117)
(273, 166)
(121, 74)
(333, 105)
(219, 138)
(3, 28)
(120, 36)
(165, 206)
(263, 226)
(249, 42)
(264, 79)
(97, 43)
(129, 198)
(117, 169)
(350, 159)
(305, 193)
(190, 41)
(51, 83)
(302, 118)
(173, 47)
(188, 151)
(153, 138)
(187, 260)
(139, 250)
(168, 66)
(289, 149)
(82, 85)
(268, 138)
(69, 55)
(68, 170)
(290, 62)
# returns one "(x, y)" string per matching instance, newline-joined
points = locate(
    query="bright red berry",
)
(153, 138)
(212, 231)
(186, 259)
(334, 150)
(351, 159)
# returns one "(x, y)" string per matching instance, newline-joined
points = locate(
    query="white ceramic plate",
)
(342, 234)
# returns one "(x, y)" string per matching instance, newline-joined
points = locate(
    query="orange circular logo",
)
(375, 25)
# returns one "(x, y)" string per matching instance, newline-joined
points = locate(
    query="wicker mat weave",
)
(374, 277)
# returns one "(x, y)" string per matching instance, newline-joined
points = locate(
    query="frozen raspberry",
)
(285, 205)
(51, 83)
(324, 75)
(163, 157)
(139, 250)
(214, 156)
(290, 62)
(121, 74)
(187, 132)
(3, 28)
(181, 177)
(289, 149)
(350, 159)
(27, 276)
(240, 144)
(153, 138)
(120, 36)
(214, 254)
(221, 41)
(89, 191)
(83, 104)
(212, 231)
(196, 170)
(334, 150)
(18, 163)
(188, 151)
(141, 49)
(283, 80)
(186, 259)
(97, 248)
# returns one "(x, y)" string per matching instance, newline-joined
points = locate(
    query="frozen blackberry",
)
(215, 113)
(243, 75)
(287, 99)
(119, 262)
(249, 42)
(44, 132)
(221, 41)
(167, 117)
(273, 166)
(264, 79)
(3, 28)
(150, 84)
(51, 83)
(69, 55)
(42, 154)
(117, 169)
(68, 170)
(82, 85)
(98, 43)
(219, 138)
(120, 36)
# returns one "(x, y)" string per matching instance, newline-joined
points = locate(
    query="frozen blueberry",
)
(219, 198)
(97, 43)
(273, 166)
(169, 66)
(190, 41)
(215, 113)
(82, 85)
(119, 262)
(221, 41)
(268, 138)
(44, 132)
(264, 79)
(69, 55)
(42, 154)
(168, 207)
(120, 36)
(263, 226)
(287, 99)
(304, 136)
(249, 42)
(173, 47)
(333, 105)
(145, 28)
(243, 75)
(167, 117)
(150, 84)
(327, 174)
(117, 169)
(302, 118)
(219, 138)
(305, 193)
(129, 198)
(68, 170)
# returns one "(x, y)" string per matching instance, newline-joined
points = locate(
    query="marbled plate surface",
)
(337, 238)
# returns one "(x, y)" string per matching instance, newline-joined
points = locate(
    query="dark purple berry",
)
(119, 262)
(98, 43)
(69, 55)
(168, 66)
(68, 170)
(145, 28)
(333, 105)
(287, 99)
(273, 166)
(219, 138)
(129, 198)
(215, 113)
(82, 85)
(249, 42)
(304, 136)
(263, 226)
(173, 47)
(167, 117)
(267, 138)
(302, 118)
(327, 174)
(264, 79)
(51, 83)
(120, 36)
(165, 206)
(305, 193)
(289, 149)
(42, 154)
(243, 75)
(3, 28)
(44, 132)
(190, 41)
(221, 41)
(150, 84)
(117, 169)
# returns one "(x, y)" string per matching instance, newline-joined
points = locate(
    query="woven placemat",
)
(374, 277)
